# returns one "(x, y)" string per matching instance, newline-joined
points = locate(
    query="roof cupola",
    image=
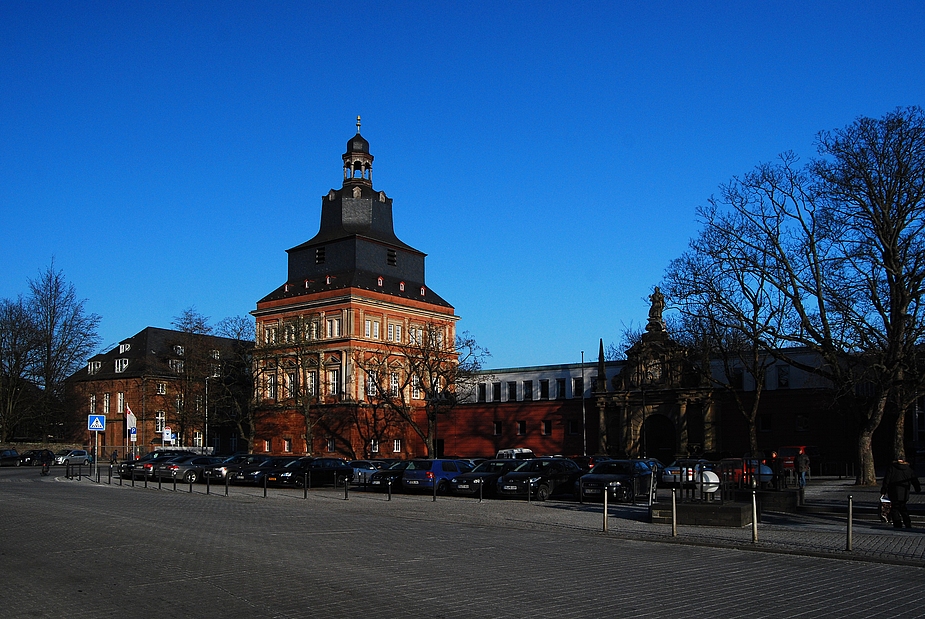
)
(358, 163)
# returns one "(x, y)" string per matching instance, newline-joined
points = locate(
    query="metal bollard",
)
(674, 512)
(389, 484)
(481, 485)
(605, 508)
(435, 490)
(346, 489)
(305, 487)
(189, 478)
(110, 474)
(226, 482)
(208, 477)
(159, 480)
(849, 543)
(174, 475)
(754, 518)
(265, 486)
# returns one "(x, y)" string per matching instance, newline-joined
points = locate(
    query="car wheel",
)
(626, 495)
(542, 493)
(191, 477)
(442, 487)
(86, 463)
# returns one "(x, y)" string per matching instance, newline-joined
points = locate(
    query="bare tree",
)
(837, 248)
(425, 378)
(199, 365)
(235, 388)
(19, 350)
(67, 334)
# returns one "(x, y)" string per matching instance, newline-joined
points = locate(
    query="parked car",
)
(691, 473)
(127, 468)
(423, 474)
(364, 469)
(33, 457)
(72, 456)
(9, 457)
(622, 480)
(518, 453)
(391, 476)
(316, 471)
(189, 469)
(253, 474)
(483, 479)
(541, 478)
(232, 464)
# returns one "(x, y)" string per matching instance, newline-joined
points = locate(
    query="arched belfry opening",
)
(358, 163)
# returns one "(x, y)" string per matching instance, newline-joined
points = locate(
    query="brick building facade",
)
(337, 341)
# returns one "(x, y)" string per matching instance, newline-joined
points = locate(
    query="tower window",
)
(392, 258)
(319, 255)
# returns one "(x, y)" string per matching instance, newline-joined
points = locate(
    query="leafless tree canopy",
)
(827, 255)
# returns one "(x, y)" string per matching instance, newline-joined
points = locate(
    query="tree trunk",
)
(867, 474)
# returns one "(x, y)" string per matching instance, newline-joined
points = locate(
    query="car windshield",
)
(63, 452)
(533, 466)
(420, 465)
(613, 468)
(493, 466)
(399, 466)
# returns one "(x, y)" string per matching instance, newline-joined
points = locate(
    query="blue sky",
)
(548, 157)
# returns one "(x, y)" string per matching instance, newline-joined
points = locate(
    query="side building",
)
(340, 342)
(165, 379)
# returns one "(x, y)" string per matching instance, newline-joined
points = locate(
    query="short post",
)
(674, 512)
(346, 489)
(189, 478)
(80, 472)
(754, 518)
(110, 474)
(159, 480)
(265, 486)
(97, 474)
(305, 486)
(208, 477)
(174, 475)
(605, 509)
(481, 484)
(389, 486)
(146, 480)
(435, 489)
(227, 479)
(848, 543)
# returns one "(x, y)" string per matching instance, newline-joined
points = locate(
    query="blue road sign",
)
(96, 423)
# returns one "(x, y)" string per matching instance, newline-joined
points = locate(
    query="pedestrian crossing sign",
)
(96, 423)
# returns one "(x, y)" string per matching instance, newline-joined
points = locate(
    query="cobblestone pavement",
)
(78, 548)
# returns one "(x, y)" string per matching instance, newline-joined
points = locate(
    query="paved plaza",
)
(80, 549)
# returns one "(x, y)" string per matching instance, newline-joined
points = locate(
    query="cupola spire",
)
(358, 163)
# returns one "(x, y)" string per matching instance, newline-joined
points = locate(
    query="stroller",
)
(884, 508)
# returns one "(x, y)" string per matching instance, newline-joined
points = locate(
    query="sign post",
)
(96, 424)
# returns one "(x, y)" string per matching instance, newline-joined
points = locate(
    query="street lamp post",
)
(584, 421)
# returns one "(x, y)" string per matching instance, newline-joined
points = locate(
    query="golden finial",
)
(358, 124)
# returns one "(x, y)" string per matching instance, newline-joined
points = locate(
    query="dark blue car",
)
(423, 474)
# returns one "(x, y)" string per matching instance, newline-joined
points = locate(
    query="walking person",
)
(801, 466)
(899, 477)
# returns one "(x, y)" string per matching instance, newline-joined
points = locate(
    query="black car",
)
(541, 478)
(314, 471)
(34, 457)
(9, 457)
(186, 468)
(380, 480)
(622, 480)
(253, 474)
(483, 479)
(145, 466)
(219, 471)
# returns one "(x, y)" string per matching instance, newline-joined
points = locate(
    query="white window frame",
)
(396, 445)
(372, 386)
(120, 365)
(106, 404)
(394, 386)
(160, 421)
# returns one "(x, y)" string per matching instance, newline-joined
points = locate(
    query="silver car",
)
(72, 456)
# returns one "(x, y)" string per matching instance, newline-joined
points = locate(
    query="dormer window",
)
(176, 365)
(178, 350)
(422, 291)
(401, 286)
(124, 348)
(93, 367)
(379, 281)
(121, 364)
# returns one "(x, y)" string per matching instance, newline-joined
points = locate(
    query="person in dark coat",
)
(899, 477)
